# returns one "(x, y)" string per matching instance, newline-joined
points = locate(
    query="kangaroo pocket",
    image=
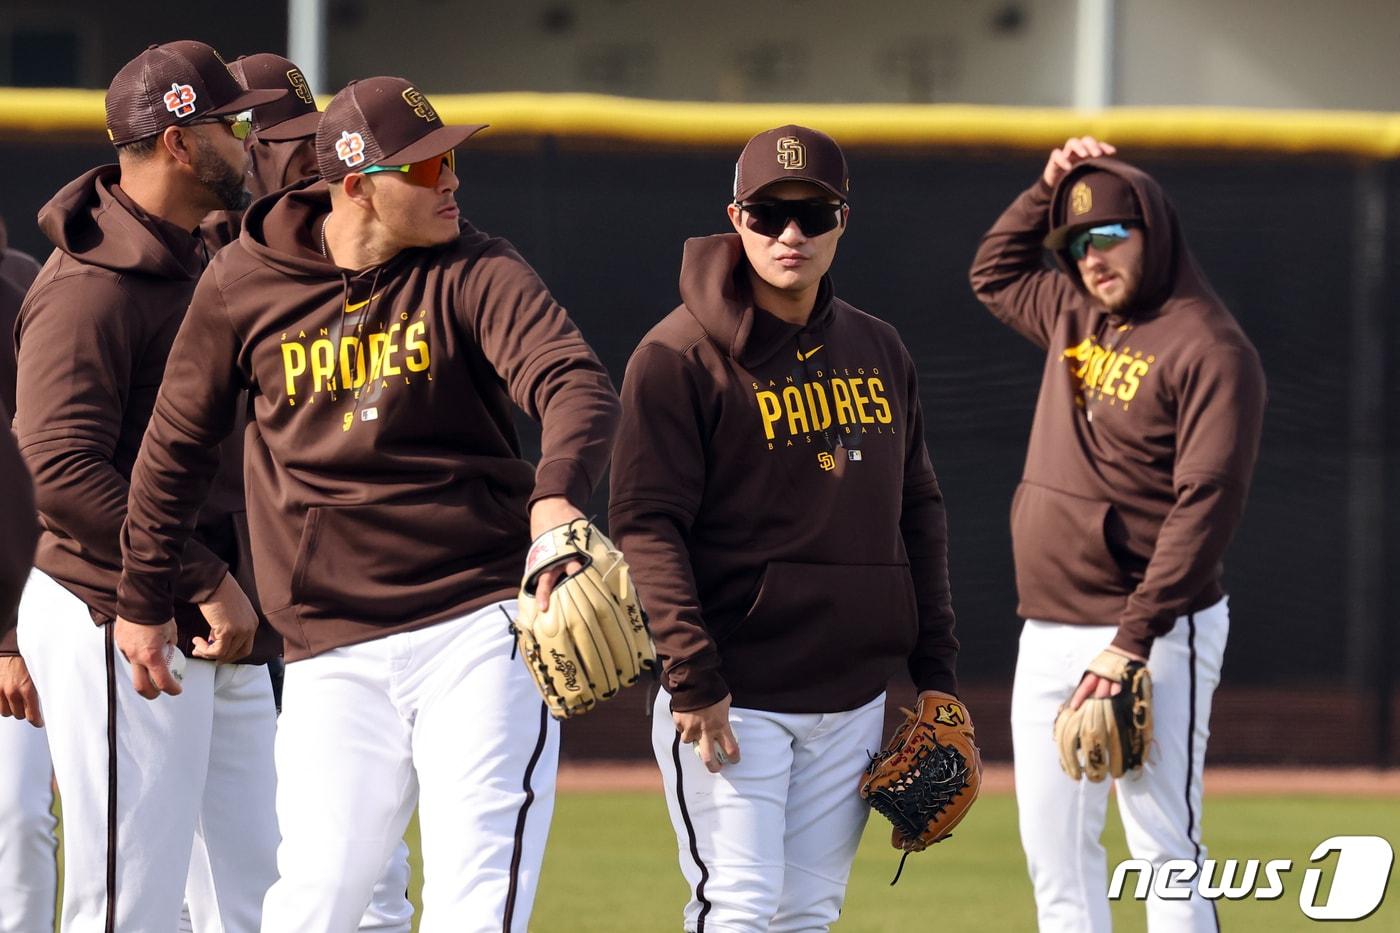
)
(392, 562)
(835, 631)
(1060, 543)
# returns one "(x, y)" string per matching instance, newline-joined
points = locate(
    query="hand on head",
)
(1074, 151)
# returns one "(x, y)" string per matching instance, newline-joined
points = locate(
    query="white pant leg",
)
(345, 789)
(729, 826)
(238, 823)
(1061, 820)
(487, 753)
(161, 751)
(28, 871)
(825, 816)
(1161, 805)
(390, 910)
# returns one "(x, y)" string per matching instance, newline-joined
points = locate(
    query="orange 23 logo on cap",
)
(179, 100)
(350, 148)
(792, 155)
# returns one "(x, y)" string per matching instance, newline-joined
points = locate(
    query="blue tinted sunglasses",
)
(1100, 238)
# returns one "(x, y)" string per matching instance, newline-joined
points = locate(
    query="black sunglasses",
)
(814, 216)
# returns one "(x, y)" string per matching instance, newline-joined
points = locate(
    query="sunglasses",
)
(814, 216)
(239, 124)
(425, 174)
(1100, 238)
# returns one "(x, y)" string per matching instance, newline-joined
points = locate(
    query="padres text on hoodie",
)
(774, 496)
(1145, 432)
(386, 490)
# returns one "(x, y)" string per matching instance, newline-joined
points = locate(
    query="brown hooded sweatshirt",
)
(386, 490)
(92, 341)
(774, 497)
(1146, 429)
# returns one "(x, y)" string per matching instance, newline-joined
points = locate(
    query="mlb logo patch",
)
(853, 455)
(369, 414)
(350, 148)
(179, 100)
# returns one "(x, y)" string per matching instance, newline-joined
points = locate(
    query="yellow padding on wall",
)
(685, 123)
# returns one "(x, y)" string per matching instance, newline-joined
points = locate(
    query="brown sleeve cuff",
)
(1134, 640)
(201, 572)
(931, 676)
(565, 478)
(695, 684)
(9, 644)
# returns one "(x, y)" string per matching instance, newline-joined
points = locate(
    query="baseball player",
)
(282, 151)
(383, 340)
(779, 617)
(139, 779)
(1141, 452)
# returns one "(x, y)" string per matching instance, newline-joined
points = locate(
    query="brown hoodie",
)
(18, 532)
(385, 486)
(1146, 429)
(775, 500)
(92, 341)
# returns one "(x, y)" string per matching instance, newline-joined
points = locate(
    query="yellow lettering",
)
(348, 379)
(322, 364)
(376, 354)
(796, 414)
(876, 387)
(414, 343)
(293, 365)
(1115, 372)
(816, 403)
(1136, 370)
(390, 367)
(325, 332)
(859, 398)
(841, 396)
(1100, 355)
(770, 409)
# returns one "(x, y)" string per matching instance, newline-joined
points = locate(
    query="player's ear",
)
(357, 188)
(734, 213)
(176, 141)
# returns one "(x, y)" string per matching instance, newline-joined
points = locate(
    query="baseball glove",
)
(1110, 736)
(928, 775)
(593, 639)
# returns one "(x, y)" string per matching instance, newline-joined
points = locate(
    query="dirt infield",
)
(1220, 782)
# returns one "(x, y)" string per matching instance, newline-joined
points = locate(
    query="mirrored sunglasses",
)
(814, 216)
(1100, 238)
(425, 174)
(239, 124)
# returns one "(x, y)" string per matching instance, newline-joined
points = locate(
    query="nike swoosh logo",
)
(804, 357)
(352, 308)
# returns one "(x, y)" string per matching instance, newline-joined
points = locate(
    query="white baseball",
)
(175, 662)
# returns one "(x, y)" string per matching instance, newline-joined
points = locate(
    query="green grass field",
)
(611, 867)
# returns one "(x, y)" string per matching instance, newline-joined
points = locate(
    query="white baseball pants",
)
(766, 845)
(1062, 820)
(141, 778)
(445, 718)
(28, 875)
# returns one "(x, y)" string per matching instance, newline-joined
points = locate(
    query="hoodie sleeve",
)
(79, 342)
(658, 480)
(923, 523)
(548, 369)
(1009, 274)
(18, 532)
(1219, 418)
(194, 412)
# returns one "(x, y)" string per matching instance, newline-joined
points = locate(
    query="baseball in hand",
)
(175, 661)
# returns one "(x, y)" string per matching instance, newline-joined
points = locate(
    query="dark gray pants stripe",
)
(513, 891)
(690, 832)
(109, 631)
(1192, 831)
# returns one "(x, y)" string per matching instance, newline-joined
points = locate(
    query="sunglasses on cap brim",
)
(425, 174)
(814, 216)
(1100, 238)
(239, 124)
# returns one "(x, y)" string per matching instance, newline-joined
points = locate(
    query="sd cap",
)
(294, 116)
(174, 84)
(791, 153)
(1090, 197)
(384, 121)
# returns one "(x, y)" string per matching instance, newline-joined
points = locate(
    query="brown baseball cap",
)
(382, 121)
(791, 153)
(174, 84)
(1090, 197)
(294, 116)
